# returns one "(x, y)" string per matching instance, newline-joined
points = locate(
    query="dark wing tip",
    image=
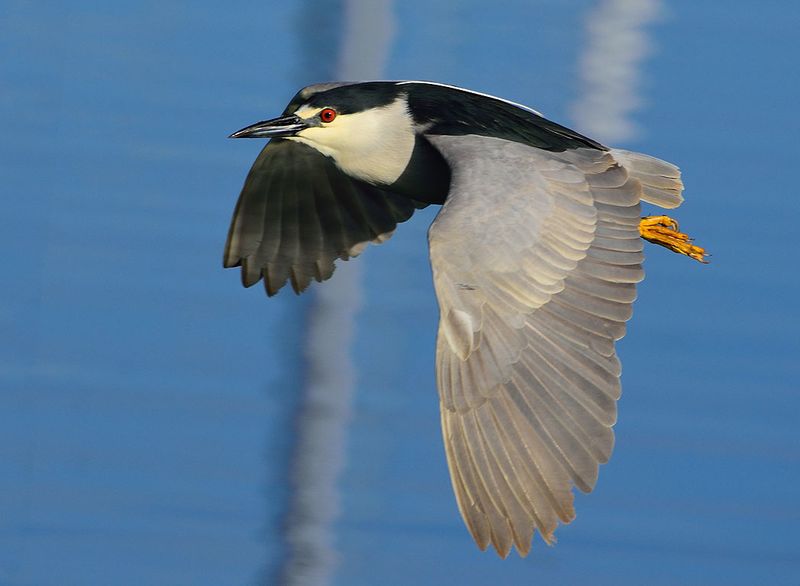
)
(300, 279)
(229, 262)
(250, 276)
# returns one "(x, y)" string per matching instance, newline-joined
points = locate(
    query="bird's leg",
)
(663, 230)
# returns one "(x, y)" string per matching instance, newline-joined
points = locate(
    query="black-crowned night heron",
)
(536, 253)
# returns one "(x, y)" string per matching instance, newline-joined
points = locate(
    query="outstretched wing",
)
(535, 258)
(298, 213)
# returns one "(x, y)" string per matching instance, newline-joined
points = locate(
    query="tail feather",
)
(661, 181)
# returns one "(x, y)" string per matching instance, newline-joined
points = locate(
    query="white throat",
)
(374, 145)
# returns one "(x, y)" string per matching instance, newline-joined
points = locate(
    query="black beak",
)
(277, 127)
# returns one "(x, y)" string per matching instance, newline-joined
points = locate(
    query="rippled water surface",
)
(161, 425)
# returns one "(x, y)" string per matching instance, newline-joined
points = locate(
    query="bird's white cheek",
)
(374, 146)
(375, 158)
(318, 137)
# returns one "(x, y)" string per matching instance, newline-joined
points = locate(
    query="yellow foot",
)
(663, 230)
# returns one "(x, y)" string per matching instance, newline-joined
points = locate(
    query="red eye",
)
(327, 114)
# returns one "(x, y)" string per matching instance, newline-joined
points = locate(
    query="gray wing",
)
(535, 258)
(298, 213)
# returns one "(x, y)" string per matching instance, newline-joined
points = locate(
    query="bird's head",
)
(366, 128)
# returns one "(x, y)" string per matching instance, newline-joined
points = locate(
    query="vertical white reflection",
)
(321, 442)
(368, 33)
(610, 66)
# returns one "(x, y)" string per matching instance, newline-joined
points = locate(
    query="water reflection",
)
(320, 453)
(611, 61)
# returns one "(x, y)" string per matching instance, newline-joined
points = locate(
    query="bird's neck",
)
(426, 177)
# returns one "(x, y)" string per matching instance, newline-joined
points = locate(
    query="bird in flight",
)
(536, 253)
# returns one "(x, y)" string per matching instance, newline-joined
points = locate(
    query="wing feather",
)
(535, 257)
(661, 181)
(298, 213)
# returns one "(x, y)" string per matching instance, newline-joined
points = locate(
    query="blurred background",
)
(159, 424)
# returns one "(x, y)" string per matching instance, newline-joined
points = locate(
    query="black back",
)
(453, 111)
(448, 110)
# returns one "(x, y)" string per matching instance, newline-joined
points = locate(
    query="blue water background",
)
(147, 400)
